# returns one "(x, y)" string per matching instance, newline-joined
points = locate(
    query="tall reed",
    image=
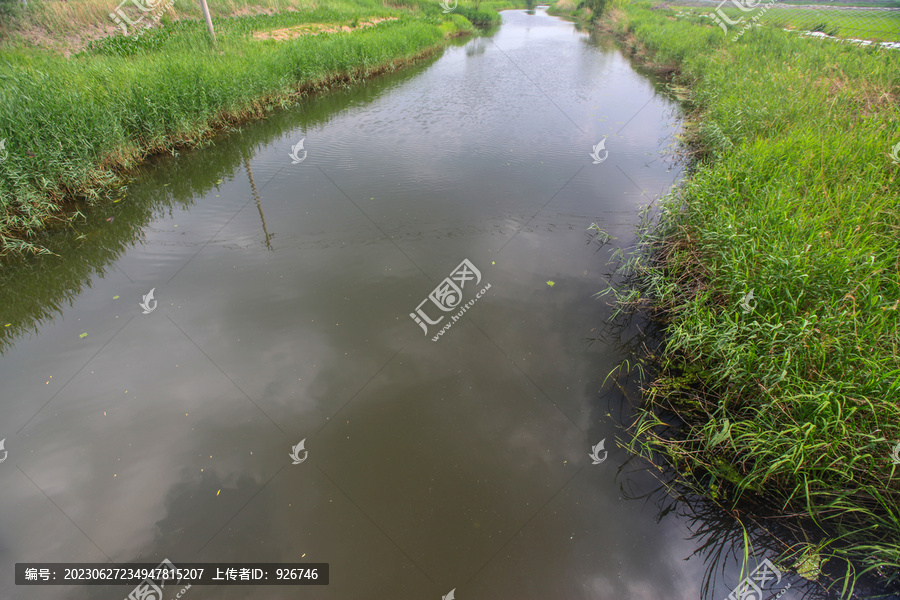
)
(776, 271)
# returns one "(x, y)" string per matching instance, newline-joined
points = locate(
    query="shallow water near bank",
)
(288, 285)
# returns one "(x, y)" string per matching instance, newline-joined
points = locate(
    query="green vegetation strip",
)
(880, 26)
(789, 395)
(70, 125)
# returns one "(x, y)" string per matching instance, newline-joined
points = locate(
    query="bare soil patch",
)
(316, 28)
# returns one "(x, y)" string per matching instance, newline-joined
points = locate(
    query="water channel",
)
(299, 295)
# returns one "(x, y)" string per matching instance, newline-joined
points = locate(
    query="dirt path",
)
(315, 29)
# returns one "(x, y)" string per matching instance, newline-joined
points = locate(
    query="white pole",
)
(206, 16)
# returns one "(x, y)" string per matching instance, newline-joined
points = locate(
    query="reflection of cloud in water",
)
(450, 464)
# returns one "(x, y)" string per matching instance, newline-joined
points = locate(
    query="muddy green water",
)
(286, 295)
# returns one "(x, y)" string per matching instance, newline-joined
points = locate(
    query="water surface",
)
(284, 291)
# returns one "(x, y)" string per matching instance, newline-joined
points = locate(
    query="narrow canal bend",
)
(292, 292)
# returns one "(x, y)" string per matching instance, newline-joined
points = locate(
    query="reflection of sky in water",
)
(458, 464)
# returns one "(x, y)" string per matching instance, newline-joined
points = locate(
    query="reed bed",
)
(73, 125)
(775, 270)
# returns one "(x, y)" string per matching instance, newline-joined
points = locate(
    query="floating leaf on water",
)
(551, 283)
(809, 565)
(115, 297)
(83, 335)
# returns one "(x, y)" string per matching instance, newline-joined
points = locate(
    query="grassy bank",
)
(571, 9)
(775, 269)
(878, 26)
(73, 124)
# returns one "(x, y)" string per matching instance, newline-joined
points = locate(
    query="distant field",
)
(877, 25)
(69, 25)
(825, 3)
(857, 4)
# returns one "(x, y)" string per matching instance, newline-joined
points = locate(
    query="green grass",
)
(76, 17)
(880, 26)
(849, 3)
(72, 125)
(792, 399)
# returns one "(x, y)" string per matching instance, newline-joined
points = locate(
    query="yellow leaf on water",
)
(83, 335)
(809, 565)
(551, 283)
(115, 297)
(217, 493)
